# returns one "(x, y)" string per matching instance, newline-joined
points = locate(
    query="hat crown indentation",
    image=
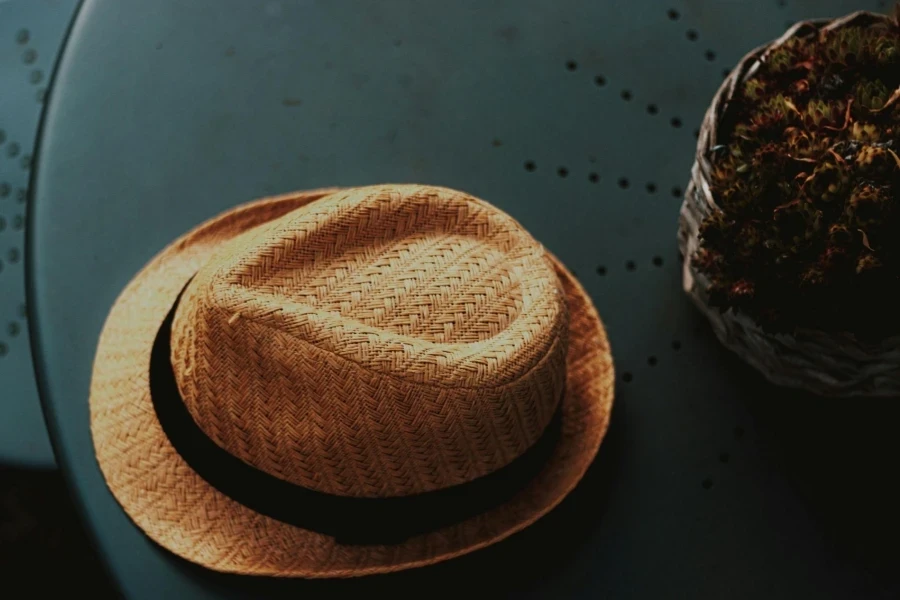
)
(381, 341)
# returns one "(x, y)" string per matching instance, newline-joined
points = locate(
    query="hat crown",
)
(381, 341)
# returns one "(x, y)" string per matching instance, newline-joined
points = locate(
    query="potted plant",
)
(790, 228)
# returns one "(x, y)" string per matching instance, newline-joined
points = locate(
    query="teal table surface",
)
(578, 118)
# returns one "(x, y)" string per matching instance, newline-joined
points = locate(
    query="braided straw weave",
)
(370, 342)
(824, 363)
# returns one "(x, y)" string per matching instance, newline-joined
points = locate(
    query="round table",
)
(575, 117)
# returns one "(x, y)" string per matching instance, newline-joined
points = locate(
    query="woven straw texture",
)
(823, 363)
(440, 306)
(374, 342)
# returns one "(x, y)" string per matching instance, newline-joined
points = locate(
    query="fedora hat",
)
(342, 382)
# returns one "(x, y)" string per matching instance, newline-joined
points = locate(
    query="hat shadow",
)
(839, 457)
(508, 568)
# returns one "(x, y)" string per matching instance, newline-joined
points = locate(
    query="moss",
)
(808, 228)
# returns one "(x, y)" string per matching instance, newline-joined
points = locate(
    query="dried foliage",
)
(808, 228)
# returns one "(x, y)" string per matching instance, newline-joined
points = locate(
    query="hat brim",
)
(183, 513)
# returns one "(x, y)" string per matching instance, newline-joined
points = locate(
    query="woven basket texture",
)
(828, 364)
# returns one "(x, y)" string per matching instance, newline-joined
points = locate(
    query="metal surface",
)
(575, 117)
(31, 34)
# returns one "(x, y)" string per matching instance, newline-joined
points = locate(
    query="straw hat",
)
(348, 381)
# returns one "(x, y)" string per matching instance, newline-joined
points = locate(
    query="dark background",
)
(43, 547)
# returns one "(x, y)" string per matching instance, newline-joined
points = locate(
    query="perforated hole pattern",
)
(13, 191)
(691, 34)
(30, 37)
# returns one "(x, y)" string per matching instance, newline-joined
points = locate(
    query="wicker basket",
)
(824, 363)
